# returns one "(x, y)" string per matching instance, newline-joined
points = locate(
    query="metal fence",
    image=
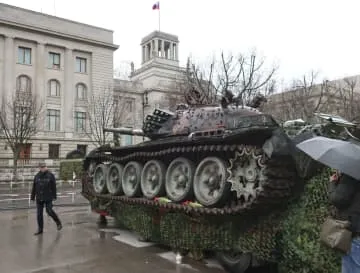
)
(29, 162)
(16, 195)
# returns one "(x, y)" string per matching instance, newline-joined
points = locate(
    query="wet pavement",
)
(82, 247)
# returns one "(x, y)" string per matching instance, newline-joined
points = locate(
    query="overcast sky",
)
(299, 35)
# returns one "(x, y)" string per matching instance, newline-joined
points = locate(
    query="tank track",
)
(279, 173)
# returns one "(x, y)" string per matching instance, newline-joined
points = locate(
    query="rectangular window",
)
(80, 91)
(53, 120)
(54, 151)
(24, 55)
(80, 121)
(129, 106)
(54, 88)
(128, 139)
(80, 65)
(54, 60)
(82, 148)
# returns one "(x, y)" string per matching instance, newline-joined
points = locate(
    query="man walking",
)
(44, 190)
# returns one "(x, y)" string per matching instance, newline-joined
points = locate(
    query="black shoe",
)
(59, 226)
(38, 232)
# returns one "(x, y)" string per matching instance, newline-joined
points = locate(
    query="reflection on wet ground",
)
(80, 247)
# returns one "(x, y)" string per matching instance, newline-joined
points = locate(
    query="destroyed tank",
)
(224, 159)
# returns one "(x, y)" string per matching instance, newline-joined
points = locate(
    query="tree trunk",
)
(15, 167)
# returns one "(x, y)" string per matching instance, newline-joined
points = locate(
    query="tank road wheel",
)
(234, 262)
(153, 179)
(91, 169)
(131, 178)
(113, 181)
(210, 182)
(99, 179)
(179, 179)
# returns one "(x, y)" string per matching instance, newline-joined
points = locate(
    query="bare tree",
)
(237, 79)
(100, 114)
(347, 99)
(20, 119)
(123, 70)
(304, 98)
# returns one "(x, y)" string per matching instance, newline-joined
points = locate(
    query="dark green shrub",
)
(70, 166)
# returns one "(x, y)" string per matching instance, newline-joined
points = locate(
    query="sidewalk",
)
(79, 247)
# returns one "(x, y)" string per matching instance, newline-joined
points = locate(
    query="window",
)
(25, 152)
(53, 120)
(24, 55)
(82, 148)
(80, 91)
(128, 106)
(80, 65)
(127, 139)
(80, 119)
(54, 60)
(54, 88)
(54, 151)
(23, 84)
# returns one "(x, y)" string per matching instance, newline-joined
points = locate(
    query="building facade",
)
(157, 83)
(336, 97)
(63, 62)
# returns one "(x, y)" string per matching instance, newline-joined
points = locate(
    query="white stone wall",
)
(70, 40)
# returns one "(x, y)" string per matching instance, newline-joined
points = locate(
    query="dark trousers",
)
(40, 216)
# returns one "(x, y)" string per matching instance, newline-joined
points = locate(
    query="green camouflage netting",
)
(292, 238)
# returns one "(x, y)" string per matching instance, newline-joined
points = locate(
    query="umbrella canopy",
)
(338, 154)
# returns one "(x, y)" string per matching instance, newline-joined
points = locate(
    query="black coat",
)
(345, 196)
(44, 187)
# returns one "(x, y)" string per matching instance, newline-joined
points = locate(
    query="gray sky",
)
(299, 35)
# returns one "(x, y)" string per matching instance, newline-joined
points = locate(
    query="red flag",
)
(156, 6)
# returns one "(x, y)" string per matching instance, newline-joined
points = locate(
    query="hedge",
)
(70, 166)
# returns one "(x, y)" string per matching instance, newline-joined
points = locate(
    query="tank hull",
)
(278, 168)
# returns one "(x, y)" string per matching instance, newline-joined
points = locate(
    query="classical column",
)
(143, 54)
(9, 64)
(176, 52)
(156, 48)
(39, 79)
(40, 67)
(146, 53)
(163, 48)
(151, 49)
(68, 95)
(171, 47)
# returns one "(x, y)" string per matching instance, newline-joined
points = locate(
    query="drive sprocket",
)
(247, 172)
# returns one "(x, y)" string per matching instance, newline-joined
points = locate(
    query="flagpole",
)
(159, 17)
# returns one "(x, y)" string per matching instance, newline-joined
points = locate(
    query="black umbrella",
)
(338, 154)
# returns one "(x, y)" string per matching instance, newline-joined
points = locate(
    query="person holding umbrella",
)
(344, 187)
(344, 194)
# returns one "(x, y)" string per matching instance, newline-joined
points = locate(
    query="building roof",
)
(53, 25)
(160, 35)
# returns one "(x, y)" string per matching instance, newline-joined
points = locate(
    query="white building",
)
(157, 83)
(64, 62)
